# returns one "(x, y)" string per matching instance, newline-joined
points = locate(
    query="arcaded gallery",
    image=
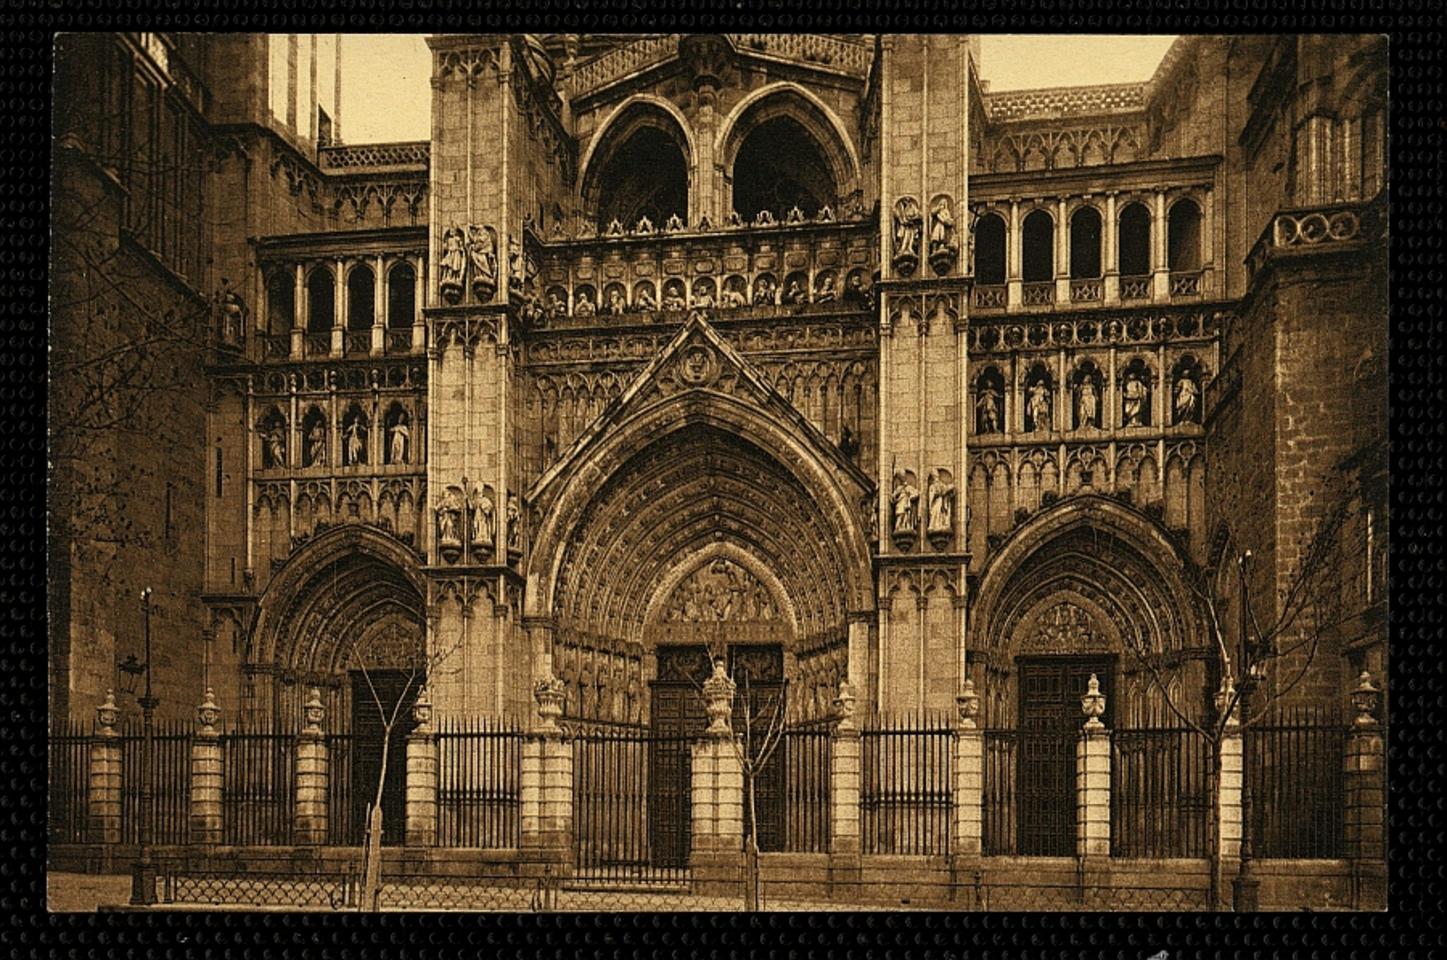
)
(715, 442)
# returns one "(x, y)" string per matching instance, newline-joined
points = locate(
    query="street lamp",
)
(143, 872)
(1246, 888)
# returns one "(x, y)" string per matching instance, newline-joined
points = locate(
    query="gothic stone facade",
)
(809, 347)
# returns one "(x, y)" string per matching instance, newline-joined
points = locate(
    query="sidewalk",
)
(85, 892)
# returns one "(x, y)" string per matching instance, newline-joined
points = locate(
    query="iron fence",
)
(69, 792)
(479, 784)
(258, 795)
(177, 884)
(1295, 761)
(905, 800)
(999, 824)
(344, 828)
(170, 814)
(806, 788)
(1159, 792)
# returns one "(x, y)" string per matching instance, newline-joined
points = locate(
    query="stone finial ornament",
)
(1092, 704)
(314, 712)
(844, 706)
(550, 693)
(108, 713)
(718, 695)
(967, 704)
(208, 713)
(1365, 699)
(422, 710)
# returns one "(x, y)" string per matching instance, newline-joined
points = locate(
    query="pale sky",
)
(386, 95)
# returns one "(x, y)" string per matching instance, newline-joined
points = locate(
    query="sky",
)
(386, 95)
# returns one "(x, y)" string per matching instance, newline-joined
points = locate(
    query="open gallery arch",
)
(783, 149)
(638, 166)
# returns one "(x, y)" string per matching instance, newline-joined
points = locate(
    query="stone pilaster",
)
(421, 829)
(206, 775)
(312, 776)
(104, 788)
(547, 781)
(1366, 800)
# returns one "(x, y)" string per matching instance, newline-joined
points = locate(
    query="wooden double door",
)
(678, 718)
(366, 754)
(1049, 729)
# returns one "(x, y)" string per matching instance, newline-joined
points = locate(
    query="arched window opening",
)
(280, 303)
(401, 295)
(990, 250)
(1038, 248)
(646, 176)
(781, 166)
(361, 292)
(1183, 235)
(321, 301)
(1085, 244)
(1135, 241)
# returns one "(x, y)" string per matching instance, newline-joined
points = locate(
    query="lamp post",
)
(143, 872)
(1245, 889)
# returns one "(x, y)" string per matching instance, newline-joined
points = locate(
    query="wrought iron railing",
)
(905, 798)
(69, 792)
(479, 784)
(1295, 761)
(806, 788)
(344, 827)
(999, 825)
(170, 783)
(1159, 792)
(258, 787)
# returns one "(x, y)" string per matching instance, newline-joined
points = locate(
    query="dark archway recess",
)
(646, 176)
(321, 301)
(990, 250)
(1183, 236)
(280, 302)
(401, 296)
(1135, 241)
(780, 166)
(361, 292)
(1085, 244)
(1038, 248)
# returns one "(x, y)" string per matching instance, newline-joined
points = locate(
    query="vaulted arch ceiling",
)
(697, 486)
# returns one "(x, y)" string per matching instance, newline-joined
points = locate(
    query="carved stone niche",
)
(905, 520)
(907, 227)
(449, 524)
(944, 245)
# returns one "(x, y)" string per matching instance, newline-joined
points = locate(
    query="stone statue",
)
(514, 523)
(764, 292)
(854, 293)
(673, 300)
(482, 251)
(906, 505)
(275, 448)
(452, 265)
(1133, 401)
(848, 443)
(1087, 403)
(400, 435)
(230, 311)
(987, 410)
(730, 299)
(1039, 405)
(356, 450)
(942, 244)
(555, 309)
(940, 504)
(825, 291)
(1188, 408)
(447, 518)
(316, 445)
(584, 306)
(482, 517)
(794, 293)
(703, 297)
(644, 301)
(515, 265)
(616, 305)
(907, 225)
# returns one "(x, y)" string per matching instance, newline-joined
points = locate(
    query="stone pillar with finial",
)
(1228, 784)
(104, 800)
(1092, 777)
(421, 828)
(844, 850)
(312, 775)
(547, 783)
(966, 837)
(717, 794)
(206, 774)
(1366, 798)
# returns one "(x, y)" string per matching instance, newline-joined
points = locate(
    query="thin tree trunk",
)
(1213, 831)
(751, 852)
(372, 852)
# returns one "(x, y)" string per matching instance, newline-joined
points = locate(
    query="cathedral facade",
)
(808, 352)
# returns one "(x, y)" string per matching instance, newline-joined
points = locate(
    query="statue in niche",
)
(1087, 403)
(940, 503)
(987, 409)
(1188, 408)
(794, 293)
(229, 311)
(854, 292)
(482, 252)
(399, 438)
(555, 309)
(908, 221)
(730, 299)
(482, 517)
(273, 451)
(514, 523)
(703, 296)
(673, 301)
(675, 223)
(355, 451)
(585, 306)
(906, 505)
(452, 265)
(644, 302)
(316, 445)
(449, 514)
(870, 506)
(825, 290)
(616, 306)
(943, 246)
(1134, 396)
(764, 292)
(848, 443)
(1038, 405)
(515, 265)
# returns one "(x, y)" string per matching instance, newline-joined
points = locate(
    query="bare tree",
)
(1291, 634)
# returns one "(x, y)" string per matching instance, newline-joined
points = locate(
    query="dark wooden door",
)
(367, 727)
(1050, 722)
(678, 717)
(758, 670)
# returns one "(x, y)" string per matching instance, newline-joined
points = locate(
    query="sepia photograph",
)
(730, 472)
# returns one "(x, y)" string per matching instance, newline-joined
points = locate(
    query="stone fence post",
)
(421, 787)
(967, 767)
(312, 776)
(1092, 785)
(104, 788)
(844, 780)
(1228, 791)
(547, 782)
(717, 795)
(206, 778)
(1366, 799)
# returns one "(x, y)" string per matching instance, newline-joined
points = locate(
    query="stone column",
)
(1366, 800)
(547, 784)
(844, 780)
(206, 774)
(1110, 244)
(300, 309)
(421, 829)
(1092, 779)
(1014, 258)
(1062, 252)
(104, 800)
(419, 300)
(968, 786)
(716, 857)
(311, 776)
(1160, 267)
(379, 306)
(339, 307)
